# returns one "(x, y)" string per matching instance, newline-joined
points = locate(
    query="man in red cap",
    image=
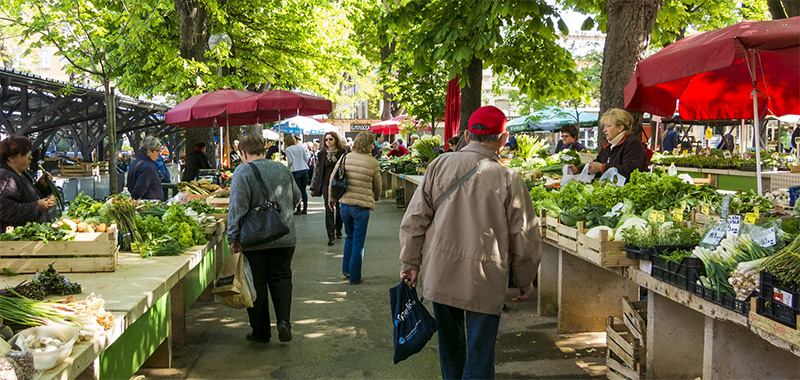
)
(469, 222)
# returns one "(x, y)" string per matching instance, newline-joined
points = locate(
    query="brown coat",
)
(485, 227)
(363, 180)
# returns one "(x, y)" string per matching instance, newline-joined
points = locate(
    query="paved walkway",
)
(344, 331)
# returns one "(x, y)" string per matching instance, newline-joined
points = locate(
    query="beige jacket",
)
(363, 180)
(487, 225)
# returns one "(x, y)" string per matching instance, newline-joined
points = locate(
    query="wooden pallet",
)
(603, 251)
(627, 348)
(89, 252)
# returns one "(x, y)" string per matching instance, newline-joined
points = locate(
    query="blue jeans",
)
(470, 357)
(355, 221)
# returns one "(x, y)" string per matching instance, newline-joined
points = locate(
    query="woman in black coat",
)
(332, 149)
(21, 200)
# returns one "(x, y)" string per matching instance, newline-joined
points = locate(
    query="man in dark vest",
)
(195, 161)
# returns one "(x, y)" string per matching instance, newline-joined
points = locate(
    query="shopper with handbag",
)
(330, 153)
(260, 187)
(363, 179)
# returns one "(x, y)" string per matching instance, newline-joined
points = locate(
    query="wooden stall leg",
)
(672, 329)
(733, 352)
(588, 294)
(548, 282)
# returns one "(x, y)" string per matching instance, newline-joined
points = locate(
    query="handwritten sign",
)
(704, 209)
(715, 235)
(677, 215)
(765, 237)
(652, 217)
(734, 224)
(726, 154)
(750, 217)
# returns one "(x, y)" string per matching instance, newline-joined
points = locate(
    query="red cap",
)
(487, 120)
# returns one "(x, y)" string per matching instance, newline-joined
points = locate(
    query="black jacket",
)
(143, 181)
(18, 199)
(322, 172)
(626, 157)
(194, 162)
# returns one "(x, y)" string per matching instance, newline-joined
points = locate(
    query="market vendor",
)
(195, 161)
(398, 150)
(569, 139)
(623, 151)
(143, 181)
(21, 199)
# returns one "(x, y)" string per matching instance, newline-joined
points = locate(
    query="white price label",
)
(734, 224)
(782, 296)
(716, 235)
(617, 207)
(726, 154)
(766, 238)
(566, 157)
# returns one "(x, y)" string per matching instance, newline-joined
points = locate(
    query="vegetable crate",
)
(218, 202)
(602, 251)
(762, 321)
(634, 315)
(625, 357)
(724, 300)
(89, 252)
(778, 299)
(683, 275)
(551, 229)
(567, 237)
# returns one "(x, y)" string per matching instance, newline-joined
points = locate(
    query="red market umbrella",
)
(208, 110)
(452, 113)
(711, 75)
(269, 105)
(387, 127)
(717, 74)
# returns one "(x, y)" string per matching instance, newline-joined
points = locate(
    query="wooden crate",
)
(222, 217)
(551, 233)
(703, 219)
(617, 370)
(603, 251)
(626, 347)
(80, 169)
(567, 238)
(760, 322)
(634, 315)
(89, 252)
(218, 202)
(196, 197)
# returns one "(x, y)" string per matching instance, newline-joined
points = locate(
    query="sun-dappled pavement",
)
(344, 331)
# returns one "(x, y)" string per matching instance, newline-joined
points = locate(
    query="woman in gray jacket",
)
(271, 263)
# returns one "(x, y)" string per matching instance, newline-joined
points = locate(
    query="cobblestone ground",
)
(344, 331)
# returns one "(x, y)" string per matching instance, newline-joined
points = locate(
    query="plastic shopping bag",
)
(584, 177)
(613, 176)
(413, 324)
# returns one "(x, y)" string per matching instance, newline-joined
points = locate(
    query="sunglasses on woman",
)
(328, 139)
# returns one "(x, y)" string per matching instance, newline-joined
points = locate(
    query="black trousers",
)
(333, 218)
(272, 276)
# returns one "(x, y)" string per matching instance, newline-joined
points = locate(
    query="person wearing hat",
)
(462, 244)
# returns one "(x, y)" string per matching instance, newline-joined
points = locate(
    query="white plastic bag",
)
(613, 176)
(584, 177)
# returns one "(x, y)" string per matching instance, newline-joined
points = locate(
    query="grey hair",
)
(483, 138)
(149, 143)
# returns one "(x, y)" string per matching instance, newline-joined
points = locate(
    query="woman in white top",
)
(297, 158)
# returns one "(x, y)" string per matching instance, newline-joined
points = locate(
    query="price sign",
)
(734, 224)
(566, 157)
(676, 152)
(661, 217)
(652, 217)
(617, 207)
(750, 217)
(765, 237)
(727, 154)
(685, 152)
(704, 209)
(716, 234)
(677, 215)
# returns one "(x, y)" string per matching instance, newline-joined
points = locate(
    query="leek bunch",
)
(785, 264)
(529, 146)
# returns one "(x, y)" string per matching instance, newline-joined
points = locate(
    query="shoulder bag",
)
(339, 180)
(263, 223)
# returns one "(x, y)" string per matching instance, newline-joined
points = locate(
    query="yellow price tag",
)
(704, 209)
(661, 217)
(652, 216)
(750, 217)
(685, 152)
(677, 215)
(676, 151)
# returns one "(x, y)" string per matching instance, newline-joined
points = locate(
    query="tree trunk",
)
(628, 30)
(193, 40)
(386, 112)
(111, 125)
(471, 93)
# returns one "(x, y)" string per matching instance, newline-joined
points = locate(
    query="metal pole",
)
(754, 94)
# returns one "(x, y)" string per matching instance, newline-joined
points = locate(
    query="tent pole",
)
(757, 128)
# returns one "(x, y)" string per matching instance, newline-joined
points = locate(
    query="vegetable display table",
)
(687, 336)
(730, 179)
(148, 298)
(408, 183)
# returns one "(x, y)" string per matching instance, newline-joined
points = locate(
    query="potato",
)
(100, 228)
(83, 227)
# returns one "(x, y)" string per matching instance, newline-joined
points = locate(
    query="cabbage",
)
(594, 233)
(630, 222)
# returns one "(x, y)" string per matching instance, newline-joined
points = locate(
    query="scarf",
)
(616, 141)
(332, 155)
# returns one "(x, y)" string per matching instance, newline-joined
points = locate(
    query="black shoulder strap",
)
(458, 183)
(258, 176)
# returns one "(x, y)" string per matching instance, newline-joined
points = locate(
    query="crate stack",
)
(626, 353)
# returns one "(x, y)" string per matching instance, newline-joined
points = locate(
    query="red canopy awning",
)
(204, 109)
(276, 104)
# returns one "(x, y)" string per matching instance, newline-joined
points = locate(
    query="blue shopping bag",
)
(413, 324)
